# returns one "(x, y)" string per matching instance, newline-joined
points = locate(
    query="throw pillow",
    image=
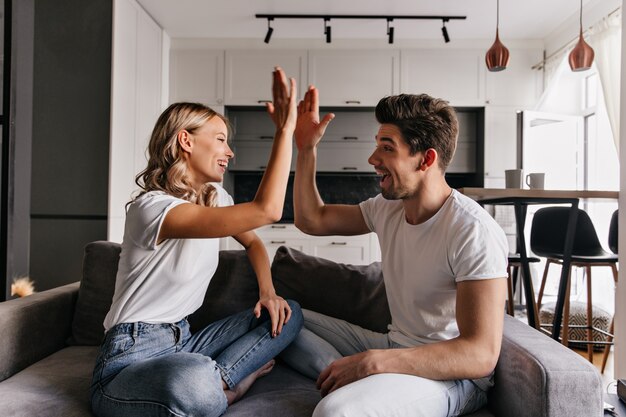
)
(233, 289)
(355, 293)
(96, 292)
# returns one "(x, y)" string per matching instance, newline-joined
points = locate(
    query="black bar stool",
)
(547, 235)
(515, 264)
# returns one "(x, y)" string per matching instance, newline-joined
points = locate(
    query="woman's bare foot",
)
(244, 385)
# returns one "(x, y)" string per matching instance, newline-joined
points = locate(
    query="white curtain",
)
(605, 37)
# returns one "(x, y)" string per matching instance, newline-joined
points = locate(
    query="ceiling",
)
(234, 19)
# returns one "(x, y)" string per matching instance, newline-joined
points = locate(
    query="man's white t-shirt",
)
(160, 283)
(423, 263)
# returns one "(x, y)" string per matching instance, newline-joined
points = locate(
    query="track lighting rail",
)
(328, 17)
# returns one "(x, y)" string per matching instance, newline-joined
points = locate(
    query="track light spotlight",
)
(444, 31)
(390, 30)
(327, 30)
(270, 30)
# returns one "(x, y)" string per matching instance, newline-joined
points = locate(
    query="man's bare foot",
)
(244, 385)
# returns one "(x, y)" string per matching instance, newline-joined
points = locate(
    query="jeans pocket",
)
(117, 345)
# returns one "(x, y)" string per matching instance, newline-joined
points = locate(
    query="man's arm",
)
(473, 354)
(312, 216)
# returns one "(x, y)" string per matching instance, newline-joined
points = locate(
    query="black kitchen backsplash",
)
(333, 188)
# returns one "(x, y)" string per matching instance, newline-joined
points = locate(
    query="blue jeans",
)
(325, 339)
(163, 370)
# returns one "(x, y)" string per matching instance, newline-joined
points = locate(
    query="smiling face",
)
(400, 171)
(208, 152)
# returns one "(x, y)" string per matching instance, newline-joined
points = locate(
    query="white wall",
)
(137, 98)
(620, 294)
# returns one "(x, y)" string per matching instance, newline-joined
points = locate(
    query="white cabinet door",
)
(354, 250)
(500, 142)
(354, 77)
(252, 153)
(456, 76)
(248, 79)
(518, 84)
(344, 157)
(197, 76)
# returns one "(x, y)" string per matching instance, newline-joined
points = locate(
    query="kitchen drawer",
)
(354, 250)
(351, 125)
(253, 155)
(344, 157)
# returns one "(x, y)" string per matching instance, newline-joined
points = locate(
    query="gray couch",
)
(49, 341)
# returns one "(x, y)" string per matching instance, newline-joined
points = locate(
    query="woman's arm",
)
(195, 221)
(277, 307)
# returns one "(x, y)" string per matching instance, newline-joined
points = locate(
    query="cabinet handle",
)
(263, 101)
(266, 137)
(339, 243)
(262, 166)
(278, 242)
(353, 101)
(278, 226)
(349, 168)
(350, 138)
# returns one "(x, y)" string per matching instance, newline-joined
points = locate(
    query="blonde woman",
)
(150, 364)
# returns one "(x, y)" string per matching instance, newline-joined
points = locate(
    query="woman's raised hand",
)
(283, 109)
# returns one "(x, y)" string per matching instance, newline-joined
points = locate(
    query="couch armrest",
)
(537, 376)
(34, 327)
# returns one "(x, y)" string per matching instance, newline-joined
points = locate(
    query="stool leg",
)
(565, 339)
(607, 348)
(589, 316)
(509, 283)
(543, 283)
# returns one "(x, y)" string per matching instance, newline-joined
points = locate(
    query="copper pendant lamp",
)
(581, 57)
(497, 57)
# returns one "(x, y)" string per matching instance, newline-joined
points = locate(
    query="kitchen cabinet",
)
(248, 78)
(354, 77)
(344, 157)
(252, 139)
(197, 76)
(252, 153)
(500, 143)
(355, 250)
(453, 75)
(136, 102)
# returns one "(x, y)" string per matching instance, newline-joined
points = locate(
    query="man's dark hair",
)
(425, 122)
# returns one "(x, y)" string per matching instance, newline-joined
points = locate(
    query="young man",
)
(444, 264)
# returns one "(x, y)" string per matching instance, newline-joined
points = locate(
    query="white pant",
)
(325, 339)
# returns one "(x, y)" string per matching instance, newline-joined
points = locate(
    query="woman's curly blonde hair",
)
(167, 170)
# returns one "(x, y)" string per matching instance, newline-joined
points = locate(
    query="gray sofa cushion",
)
(95, 293)
(233, 289)
(358, 292)
(55, 386)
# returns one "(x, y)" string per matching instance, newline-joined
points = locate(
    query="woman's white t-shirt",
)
(160, 283)
(423, 263)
